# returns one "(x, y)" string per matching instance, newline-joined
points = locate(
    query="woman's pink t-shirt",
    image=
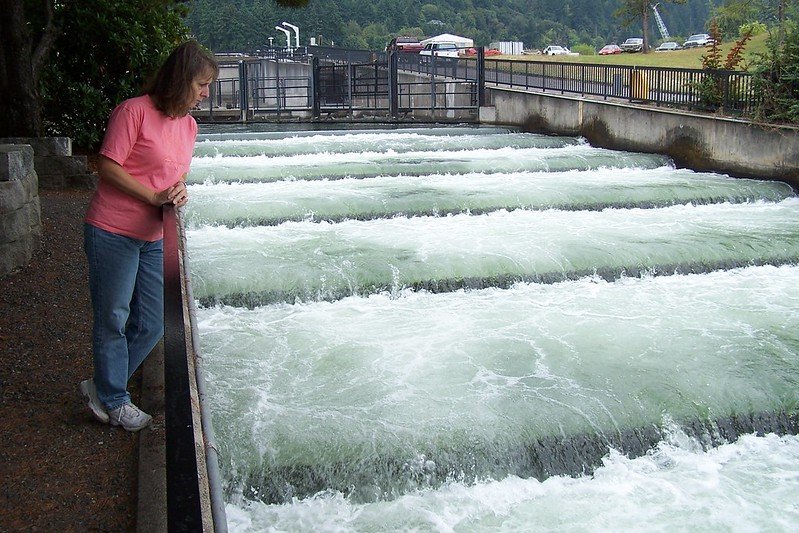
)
(153, 148)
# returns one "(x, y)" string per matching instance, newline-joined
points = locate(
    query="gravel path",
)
(59, 469)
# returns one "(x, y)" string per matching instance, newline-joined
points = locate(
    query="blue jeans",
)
(126, 280)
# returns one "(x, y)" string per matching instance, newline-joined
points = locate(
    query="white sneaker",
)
(129, 417)
(89, 391)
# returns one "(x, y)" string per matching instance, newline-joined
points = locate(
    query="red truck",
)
(404, 44)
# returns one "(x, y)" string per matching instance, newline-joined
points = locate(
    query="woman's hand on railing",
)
(176, 194)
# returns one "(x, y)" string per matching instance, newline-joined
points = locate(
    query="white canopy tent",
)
(461, 42)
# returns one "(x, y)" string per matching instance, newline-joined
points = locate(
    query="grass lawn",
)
(690, 58)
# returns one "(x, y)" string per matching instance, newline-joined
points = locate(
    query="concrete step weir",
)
(352, 409)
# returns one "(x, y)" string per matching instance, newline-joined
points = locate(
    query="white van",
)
(442, 49)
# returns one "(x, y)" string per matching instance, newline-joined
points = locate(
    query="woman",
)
(143, 164)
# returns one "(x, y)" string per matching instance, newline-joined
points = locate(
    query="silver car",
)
(668, 46)
(698, 39)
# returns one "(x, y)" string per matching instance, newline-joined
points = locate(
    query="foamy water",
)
(751, 485)
(468, 330)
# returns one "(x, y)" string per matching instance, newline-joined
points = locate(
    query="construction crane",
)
(664, 32)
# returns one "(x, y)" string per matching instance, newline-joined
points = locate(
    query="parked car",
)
(698, 39)
(633, 44)
(446, 52)
(443, 49)
(668, 46)
(404, 44)
(610, 49)
(555, 50)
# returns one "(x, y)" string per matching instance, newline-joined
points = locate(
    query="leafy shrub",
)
(752, 28)
(776, 79)
(584, 49)
(714, 89)
(90, 72)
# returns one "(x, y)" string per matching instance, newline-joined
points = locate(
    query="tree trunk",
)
(20, 62)
(19, 96)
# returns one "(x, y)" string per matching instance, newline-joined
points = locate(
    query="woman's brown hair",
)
(171, 86)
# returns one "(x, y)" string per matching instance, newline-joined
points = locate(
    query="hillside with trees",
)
(64, 65)
(244, 25)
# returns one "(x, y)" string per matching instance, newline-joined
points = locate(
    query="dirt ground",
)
(59, 469)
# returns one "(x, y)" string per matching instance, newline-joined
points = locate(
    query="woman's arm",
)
(111, 171)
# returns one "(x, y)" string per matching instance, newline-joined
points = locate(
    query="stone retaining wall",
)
(55, 165)
(20, 210)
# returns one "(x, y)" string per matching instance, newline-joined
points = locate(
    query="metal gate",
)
(328, 83)
(399, 85)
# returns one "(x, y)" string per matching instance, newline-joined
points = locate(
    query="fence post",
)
(726, 100)
(481, 76)
(277, 87)
(243, 91)
(350, 82)
(212, 90)
(315, 104)
(393, 84)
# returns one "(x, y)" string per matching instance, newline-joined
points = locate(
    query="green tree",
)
(67, 62)
(735, 13)
(27, 34)
(376, 36)
(777, 78)
(353, 37)
(92, 71)
(631, 11)
(63, 64)
(587, 21)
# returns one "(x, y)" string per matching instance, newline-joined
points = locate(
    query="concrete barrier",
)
(700, 142)
(20, 210)
(55, 165)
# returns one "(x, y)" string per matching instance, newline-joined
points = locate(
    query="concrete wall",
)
(20, 210)
(55, 165)
(449, 97)
(699, 142)
(295, 81)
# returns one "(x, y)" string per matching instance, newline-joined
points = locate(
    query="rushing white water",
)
(388, 196)
(611, 397)
(296, 132)
(397, 142)
(469, 380)
(263, 168)
(322, 261)
(751, 485)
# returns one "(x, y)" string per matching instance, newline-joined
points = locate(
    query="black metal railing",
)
(335, 80)
(319, 79)
(328, 54)
(728, 90)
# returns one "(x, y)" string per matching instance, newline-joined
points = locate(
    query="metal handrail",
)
(185, 491)
(693, 89)
(699, 89)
